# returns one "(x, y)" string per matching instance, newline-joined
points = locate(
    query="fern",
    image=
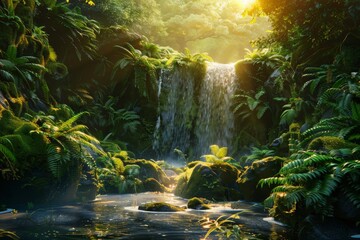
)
(272, 181)
(312, 180)
(6, 151)
(54, 159)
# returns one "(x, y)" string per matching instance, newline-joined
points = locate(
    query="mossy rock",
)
(9, 122)
(212, 181)
(152, 185)
(149, 169)
(249, 179)
(328, 143)
(160, 207)
(197, 203)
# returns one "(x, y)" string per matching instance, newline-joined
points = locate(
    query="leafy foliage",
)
(312, 180)
(78, 33)
(67, 144)
(7, 158)
(258, 153)
(218, 155)
(144, 70)
(225, 227)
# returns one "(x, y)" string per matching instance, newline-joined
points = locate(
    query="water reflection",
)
(117, 217)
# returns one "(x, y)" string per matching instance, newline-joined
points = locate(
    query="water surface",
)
(117, 217)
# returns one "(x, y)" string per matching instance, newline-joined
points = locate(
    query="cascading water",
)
(195, 113)
(215, 120)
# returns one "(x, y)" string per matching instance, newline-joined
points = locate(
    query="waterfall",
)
(215, 120)
(195, 113)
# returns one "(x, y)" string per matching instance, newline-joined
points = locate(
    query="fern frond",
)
(54, 160)
(289, 167)
(295, 196)
(318, 159)
(68, 123)
(272, 181)
(308, 176)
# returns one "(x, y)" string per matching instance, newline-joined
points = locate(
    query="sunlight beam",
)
(247, 3)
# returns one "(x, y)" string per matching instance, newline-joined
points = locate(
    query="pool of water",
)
(117, 217)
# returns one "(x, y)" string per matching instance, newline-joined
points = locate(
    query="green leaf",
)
(214, 149)
(222, 152)
(261, 111)
(252, 103)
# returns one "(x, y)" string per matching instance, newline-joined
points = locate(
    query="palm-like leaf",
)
(313, 179)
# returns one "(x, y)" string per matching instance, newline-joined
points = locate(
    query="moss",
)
(160, 207)
(152, 185)
(119, 165)
(328, 143)
(211, 181)
(8, 122)
(197, 203)
(25, 128)
(149, 169)
(249, 179)
(193, 164)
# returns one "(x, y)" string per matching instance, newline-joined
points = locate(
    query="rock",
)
(149, 169)
(259, 169)
(160, 207)
(152, 185)
(328, 143)
(320, 228)
(215, 181)
(197, 203)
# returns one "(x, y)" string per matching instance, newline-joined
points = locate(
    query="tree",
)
(313, 42)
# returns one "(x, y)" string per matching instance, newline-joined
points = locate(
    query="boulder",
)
(149, 169)
(249, 179)
(215, 181)
(152, 185)
(160, 207)
(328, 143)
(197, 203)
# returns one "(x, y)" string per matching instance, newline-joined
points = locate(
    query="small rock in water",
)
(197, 203)
(160, 207)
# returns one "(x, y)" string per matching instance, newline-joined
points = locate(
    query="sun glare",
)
(247, 3)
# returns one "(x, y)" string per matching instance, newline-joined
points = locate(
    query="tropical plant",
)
(265, 57)
(7, 159)
(346, 127)
(312, 180)
(12, 27)
(218, 155)
(226, 228)
(24, 71)
(249, 105)
(144, 70)
(258, 153)
(187, 59)
(67, 144)
(67, 28)
(111, 120)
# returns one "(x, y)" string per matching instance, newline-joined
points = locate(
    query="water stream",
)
(195, 113)
(117, 217)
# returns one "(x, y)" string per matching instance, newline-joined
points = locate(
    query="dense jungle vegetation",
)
(78, 97)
